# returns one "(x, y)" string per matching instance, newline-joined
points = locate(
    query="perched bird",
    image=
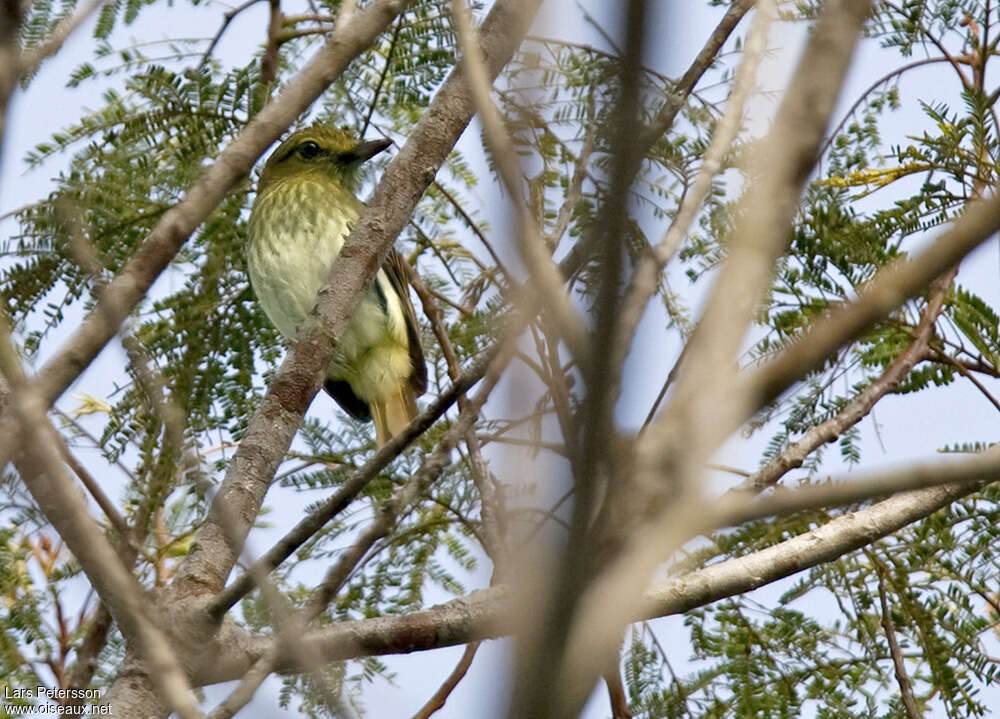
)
(304, 210)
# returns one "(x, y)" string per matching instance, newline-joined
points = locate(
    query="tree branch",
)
(30, 61)
(889, 288)
(708, 401)
(129, 287)
(350, 489)
(898, 662)
(685, 86)
(385, 520)
(444, 691)
(861, 404)
(490, 506)
(489, 613)
(41, 469)
(546, 280)
(227, 17)
(647, 275)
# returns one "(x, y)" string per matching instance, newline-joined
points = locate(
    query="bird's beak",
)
(364, 151)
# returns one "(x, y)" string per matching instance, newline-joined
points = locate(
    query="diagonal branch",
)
(431, 467)
(437, 701)
(349, 489)
(492, 519)
(277, 418)
(31, 60)
(708, 400)
(898, 662)
(546, 279)
(490, 613)
(40, 466)
(664, 119)
(646, 278)
(889, 288)
(861, 404)
(129, 287)
(385, 521)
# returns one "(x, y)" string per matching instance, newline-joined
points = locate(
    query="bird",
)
(305, 208)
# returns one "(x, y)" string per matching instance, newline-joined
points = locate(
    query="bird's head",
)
(328, 151)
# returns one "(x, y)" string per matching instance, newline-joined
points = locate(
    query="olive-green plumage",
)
(304, 210)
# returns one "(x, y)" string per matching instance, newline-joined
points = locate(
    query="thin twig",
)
(944, 358)
(671, 376)
(382, 76)
(227, 18)
(444, 691)
(547, 281)
(78, 427)
(491, 510)
(347, 491)
(647, 275)
(925, 32)
(471, 224)
(685, 86)
(871, 88)
(88, 481)
(898, 663)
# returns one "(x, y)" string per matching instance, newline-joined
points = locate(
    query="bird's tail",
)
(392, 413)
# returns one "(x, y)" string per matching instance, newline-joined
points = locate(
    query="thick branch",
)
(697, 417)
(41, 469)
(490, 613)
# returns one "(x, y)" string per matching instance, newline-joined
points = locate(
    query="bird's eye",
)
(308, 150)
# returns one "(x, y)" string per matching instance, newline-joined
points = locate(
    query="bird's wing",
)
(394, 270)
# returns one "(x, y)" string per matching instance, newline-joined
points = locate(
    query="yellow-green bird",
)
(304, 210)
